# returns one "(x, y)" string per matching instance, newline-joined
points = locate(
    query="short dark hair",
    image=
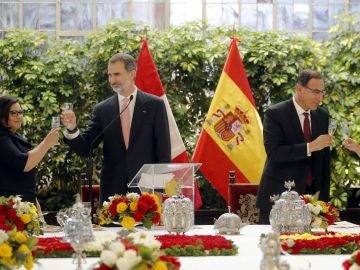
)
(306, 75)
(127, 59)
(5, 103)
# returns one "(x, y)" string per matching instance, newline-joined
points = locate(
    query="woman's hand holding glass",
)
(52, 138)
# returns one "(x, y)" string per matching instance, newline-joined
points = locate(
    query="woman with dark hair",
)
(17, 157)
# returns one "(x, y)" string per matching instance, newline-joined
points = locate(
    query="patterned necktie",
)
(307, 137)
(125, 121)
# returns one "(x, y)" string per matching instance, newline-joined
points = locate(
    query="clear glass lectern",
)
(168, 179)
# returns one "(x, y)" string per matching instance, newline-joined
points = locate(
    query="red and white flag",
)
(148, 80)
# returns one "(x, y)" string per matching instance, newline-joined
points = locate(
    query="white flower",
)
(3, 236)
(108, 257)
(117, 247)
(132, 196)
(145, 239)
(316, 223)
(128, 261)
(355, 266)
(314, 209)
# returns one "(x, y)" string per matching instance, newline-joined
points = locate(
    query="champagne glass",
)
(67, 106)
(332, 126)
(55, 122)
(344, 129)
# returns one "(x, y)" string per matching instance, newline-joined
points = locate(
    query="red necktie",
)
(307, 137)
(125, 121)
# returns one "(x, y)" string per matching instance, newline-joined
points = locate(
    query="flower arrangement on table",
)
(138, 250)
(320, 243)
(323, 213)
(131, 208)
(16, 214)
(353, 263)
(16, 249)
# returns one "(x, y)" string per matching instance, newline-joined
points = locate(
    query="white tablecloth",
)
(248, 258)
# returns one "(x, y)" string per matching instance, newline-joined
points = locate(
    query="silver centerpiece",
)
(178, 213)
(290, 214)
(78, 230)
(270, 246)
(229, 223)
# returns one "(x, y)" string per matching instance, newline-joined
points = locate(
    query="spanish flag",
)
(231, 136)
(148, 80)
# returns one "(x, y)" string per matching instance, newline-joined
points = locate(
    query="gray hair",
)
(127, 59)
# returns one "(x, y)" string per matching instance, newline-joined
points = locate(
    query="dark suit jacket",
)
(149, 141)
(13, 157)
(287, 153)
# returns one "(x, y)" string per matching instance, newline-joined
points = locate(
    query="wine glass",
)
(344, 129)
(67, 106)
(332, 126)
(55, 122)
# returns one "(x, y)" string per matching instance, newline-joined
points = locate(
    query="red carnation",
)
(142, 207)
(138, 216)
(357, 257)
(156, 218)
(112, 208)
(19, 224)
(346, 264)
(11, 213)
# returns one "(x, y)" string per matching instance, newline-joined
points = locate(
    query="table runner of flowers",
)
(320, 243)
(175, 245)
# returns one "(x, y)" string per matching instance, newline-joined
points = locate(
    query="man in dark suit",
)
(297, 144)
(139, 136)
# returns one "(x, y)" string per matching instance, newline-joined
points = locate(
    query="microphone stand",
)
(90, 161)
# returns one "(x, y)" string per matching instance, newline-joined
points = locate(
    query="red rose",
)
(112, 209)
(346, 264)
(156, 218)
(357, 257)
(142, 207)
(138, 216)
(11, 213)
(19, 224)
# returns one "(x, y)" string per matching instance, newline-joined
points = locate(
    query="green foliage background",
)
(44, 73)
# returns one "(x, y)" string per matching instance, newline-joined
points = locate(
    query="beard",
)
(120, 89)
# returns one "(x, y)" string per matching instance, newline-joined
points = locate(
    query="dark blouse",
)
(13, 157)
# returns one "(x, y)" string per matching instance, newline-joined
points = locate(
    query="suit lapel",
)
(138, 115)
(294, 120)
(116, 127)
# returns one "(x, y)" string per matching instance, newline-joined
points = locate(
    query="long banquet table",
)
(248, 258)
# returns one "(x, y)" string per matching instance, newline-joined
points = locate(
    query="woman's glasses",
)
(16, 113)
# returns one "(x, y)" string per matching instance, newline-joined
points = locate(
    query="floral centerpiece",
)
(16, 214)
(16, 250)
(323, 213)
(132, 208)
(138, 250)
(353, 263)
(320, 243)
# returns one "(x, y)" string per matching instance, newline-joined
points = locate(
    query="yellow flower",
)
(20, 237)
(121, 207)
(143, 266)
(29, 262)
(24, 249)
(5, 251)
(128, 222)
(133, 206)
(159, 265)
(26, 218)
(7, 261)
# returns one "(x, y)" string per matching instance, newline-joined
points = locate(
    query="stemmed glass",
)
(68, 106)
(344, 129)
(55, 122)
(332, 126)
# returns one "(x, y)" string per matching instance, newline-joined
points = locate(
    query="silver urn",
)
(178, 214)
(290, 214)
(229, 223)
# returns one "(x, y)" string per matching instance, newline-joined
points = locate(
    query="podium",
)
(166, 179)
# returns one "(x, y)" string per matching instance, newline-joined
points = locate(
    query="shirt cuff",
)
(307, 150)
(71, 136)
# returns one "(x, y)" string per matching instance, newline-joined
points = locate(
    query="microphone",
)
(110, 123)
(89, 163)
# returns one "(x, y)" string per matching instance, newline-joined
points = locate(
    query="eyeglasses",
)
(16, 113)
(315, 91)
